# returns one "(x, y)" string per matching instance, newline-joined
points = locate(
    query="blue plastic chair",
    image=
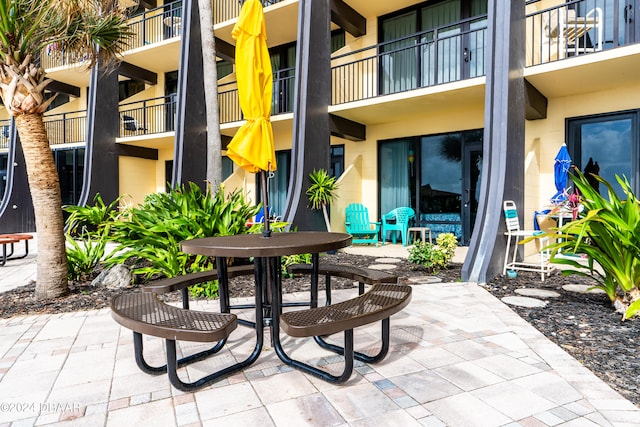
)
(397, 220)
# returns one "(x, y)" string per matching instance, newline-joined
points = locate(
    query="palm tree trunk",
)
(210, 71)
(44, 184)
(326, 217)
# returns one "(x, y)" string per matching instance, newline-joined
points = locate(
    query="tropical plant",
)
(322, 192)
(434, 257)
(207, 290)
(607, 232)
(294, 259)
(95, 30)
(84, 255)
(90, 220)
(150, 234)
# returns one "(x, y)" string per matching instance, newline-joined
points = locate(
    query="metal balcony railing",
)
(66, 128)
(4, 134)
(156, 25)
(152, 26)
(579, 27)
(150, 116)
(282, 98)
(442, 55)
(224, 10)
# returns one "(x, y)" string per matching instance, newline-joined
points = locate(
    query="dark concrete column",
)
(190, 158)
(503, 152)
(103, 121)
(16, 207)
(311, 133)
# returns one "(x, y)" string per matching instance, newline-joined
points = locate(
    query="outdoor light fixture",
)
(411, 156)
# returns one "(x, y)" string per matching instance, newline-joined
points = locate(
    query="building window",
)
(224, 68)
(70, 166)
(337, 40)
(128, 88)
(227, 167)
(336, 166)
(608, 145)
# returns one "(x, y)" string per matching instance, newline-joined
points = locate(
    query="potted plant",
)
(322, 192)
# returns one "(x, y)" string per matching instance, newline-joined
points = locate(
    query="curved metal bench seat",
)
(144, 313)
(379, 303)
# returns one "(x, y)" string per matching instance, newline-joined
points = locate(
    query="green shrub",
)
(89, 220)
(207, 290)
(294, 259)
(84, 255)
(607, 232)
(434, 257)
(150, 235)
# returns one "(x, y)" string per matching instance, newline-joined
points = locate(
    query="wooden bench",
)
(144, 313)
(364, 276)
(16, 237)
(379, 303)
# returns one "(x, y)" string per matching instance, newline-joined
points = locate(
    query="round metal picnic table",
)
(256, 245)
(267, 253)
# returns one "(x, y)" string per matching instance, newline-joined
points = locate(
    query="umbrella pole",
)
(265, 205)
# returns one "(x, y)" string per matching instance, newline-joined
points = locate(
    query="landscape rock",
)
(117, 277)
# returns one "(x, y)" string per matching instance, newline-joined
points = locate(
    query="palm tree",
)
(322, 192)
(209, 68)
(95, 30)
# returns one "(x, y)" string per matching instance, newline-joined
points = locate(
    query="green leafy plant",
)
(84, 255)
(322, 192)
(434, 257)
(150, 235)
(89, 220)
(607, 232)
(207, 290)
(294, 259)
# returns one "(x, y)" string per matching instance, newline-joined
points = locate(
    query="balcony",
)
(149, 28)
(443, 55)
(574, 28)
(225, 10)
(66, 128)
(148, 117)
(282, 98)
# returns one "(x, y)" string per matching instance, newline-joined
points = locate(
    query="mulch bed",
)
(584, 325)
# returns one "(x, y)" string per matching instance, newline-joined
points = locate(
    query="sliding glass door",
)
(438, 176)
(432, 44)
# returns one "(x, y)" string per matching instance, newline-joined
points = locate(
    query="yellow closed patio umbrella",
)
(252, 147)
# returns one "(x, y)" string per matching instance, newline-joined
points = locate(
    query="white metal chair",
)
(514, 233)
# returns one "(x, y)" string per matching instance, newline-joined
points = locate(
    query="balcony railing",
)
(578, 27)
(282, 98)
(151, 116)
(446, 54)
(156, 25)
(224, 10)
(152, 26)
(4, 134)
(66, 128)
